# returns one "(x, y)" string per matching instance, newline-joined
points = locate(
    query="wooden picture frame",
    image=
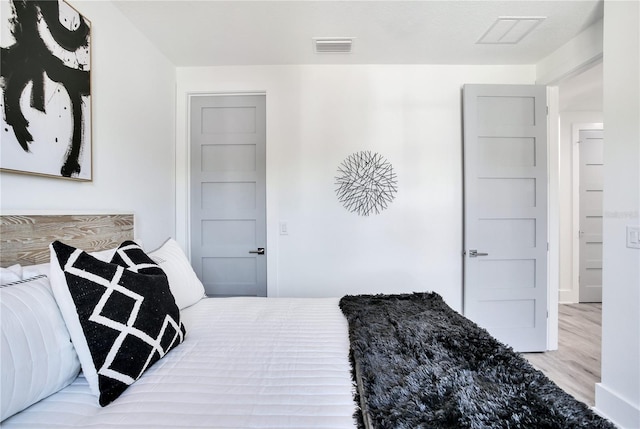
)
(46, 90)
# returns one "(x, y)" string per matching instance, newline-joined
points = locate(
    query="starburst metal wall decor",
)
(366, 183)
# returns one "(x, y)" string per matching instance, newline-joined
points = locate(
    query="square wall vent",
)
(333, 45)
(510, 30)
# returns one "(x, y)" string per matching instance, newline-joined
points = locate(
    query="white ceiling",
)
(238, 32)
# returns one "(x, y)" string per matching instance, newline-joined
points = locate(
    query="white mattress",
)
(245, 363)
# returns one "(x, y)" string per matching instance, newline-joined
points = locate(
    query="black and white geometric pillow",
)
(121, 315)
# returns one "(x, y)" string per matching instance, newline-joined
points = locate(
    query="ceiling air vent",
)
(333, 45)
(510, 29)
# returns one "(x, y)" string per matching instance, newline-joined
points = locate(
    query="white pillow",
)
(36, 355)
(185, 286)
(30, 271)
(10, 274)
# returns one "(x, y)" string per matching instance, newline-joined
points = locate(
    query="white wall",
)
(578, 54)
(618, 395)
(568, 182)
(316, 117)
(133, 96)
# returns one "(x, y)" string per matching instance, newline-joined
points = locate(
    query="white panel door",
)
(228, 194)
(591, 187)
(505, 212)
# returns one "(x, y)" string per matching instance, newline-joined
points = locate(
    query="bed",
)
(357, 361)
(244, 363)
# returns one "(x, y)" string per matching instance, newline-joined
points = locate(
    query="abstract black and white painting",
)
(46, 95)
(366, 183)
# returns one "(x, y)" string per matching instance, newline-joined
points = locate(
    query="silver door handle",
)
(260, 251)
(474, 253)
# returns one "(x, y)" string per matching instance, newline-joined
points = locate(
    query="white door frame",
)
(575, 199)
(553, 215)
(183, 173)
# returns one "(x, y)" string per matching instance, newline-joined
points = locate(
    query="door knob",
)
(474, 253)
(260, 251)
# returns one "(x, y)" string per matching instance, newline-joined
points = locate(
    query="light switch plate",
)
(284, 228)
(633, 237)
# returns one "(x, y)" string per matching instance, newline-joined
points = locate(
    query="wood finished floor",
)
(575, 366)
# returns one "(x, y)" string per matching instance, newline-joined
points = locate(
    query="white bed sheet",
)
(245, 363)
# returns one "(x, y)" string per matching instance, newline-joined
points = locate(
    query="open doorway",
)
(580, 108)
(575, 366)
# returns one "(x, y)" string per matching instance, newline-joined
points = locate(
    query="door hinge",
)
(547, 246)
(547, 110)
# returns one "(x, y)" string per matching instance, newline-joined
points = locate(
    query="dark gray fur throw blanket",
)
(422, 365)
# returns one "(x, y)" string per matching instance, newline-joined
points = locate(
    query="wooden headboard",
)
(24, 239)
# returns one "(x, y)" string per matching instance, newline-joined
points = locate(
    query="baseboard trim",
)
(616, 408)
(567, 297)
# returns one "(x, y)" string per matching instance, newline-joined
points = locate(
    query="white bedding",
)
(246, 363)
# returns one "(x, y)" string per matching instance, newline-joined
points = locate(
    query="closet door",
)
(591, 193)
(228, 194)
